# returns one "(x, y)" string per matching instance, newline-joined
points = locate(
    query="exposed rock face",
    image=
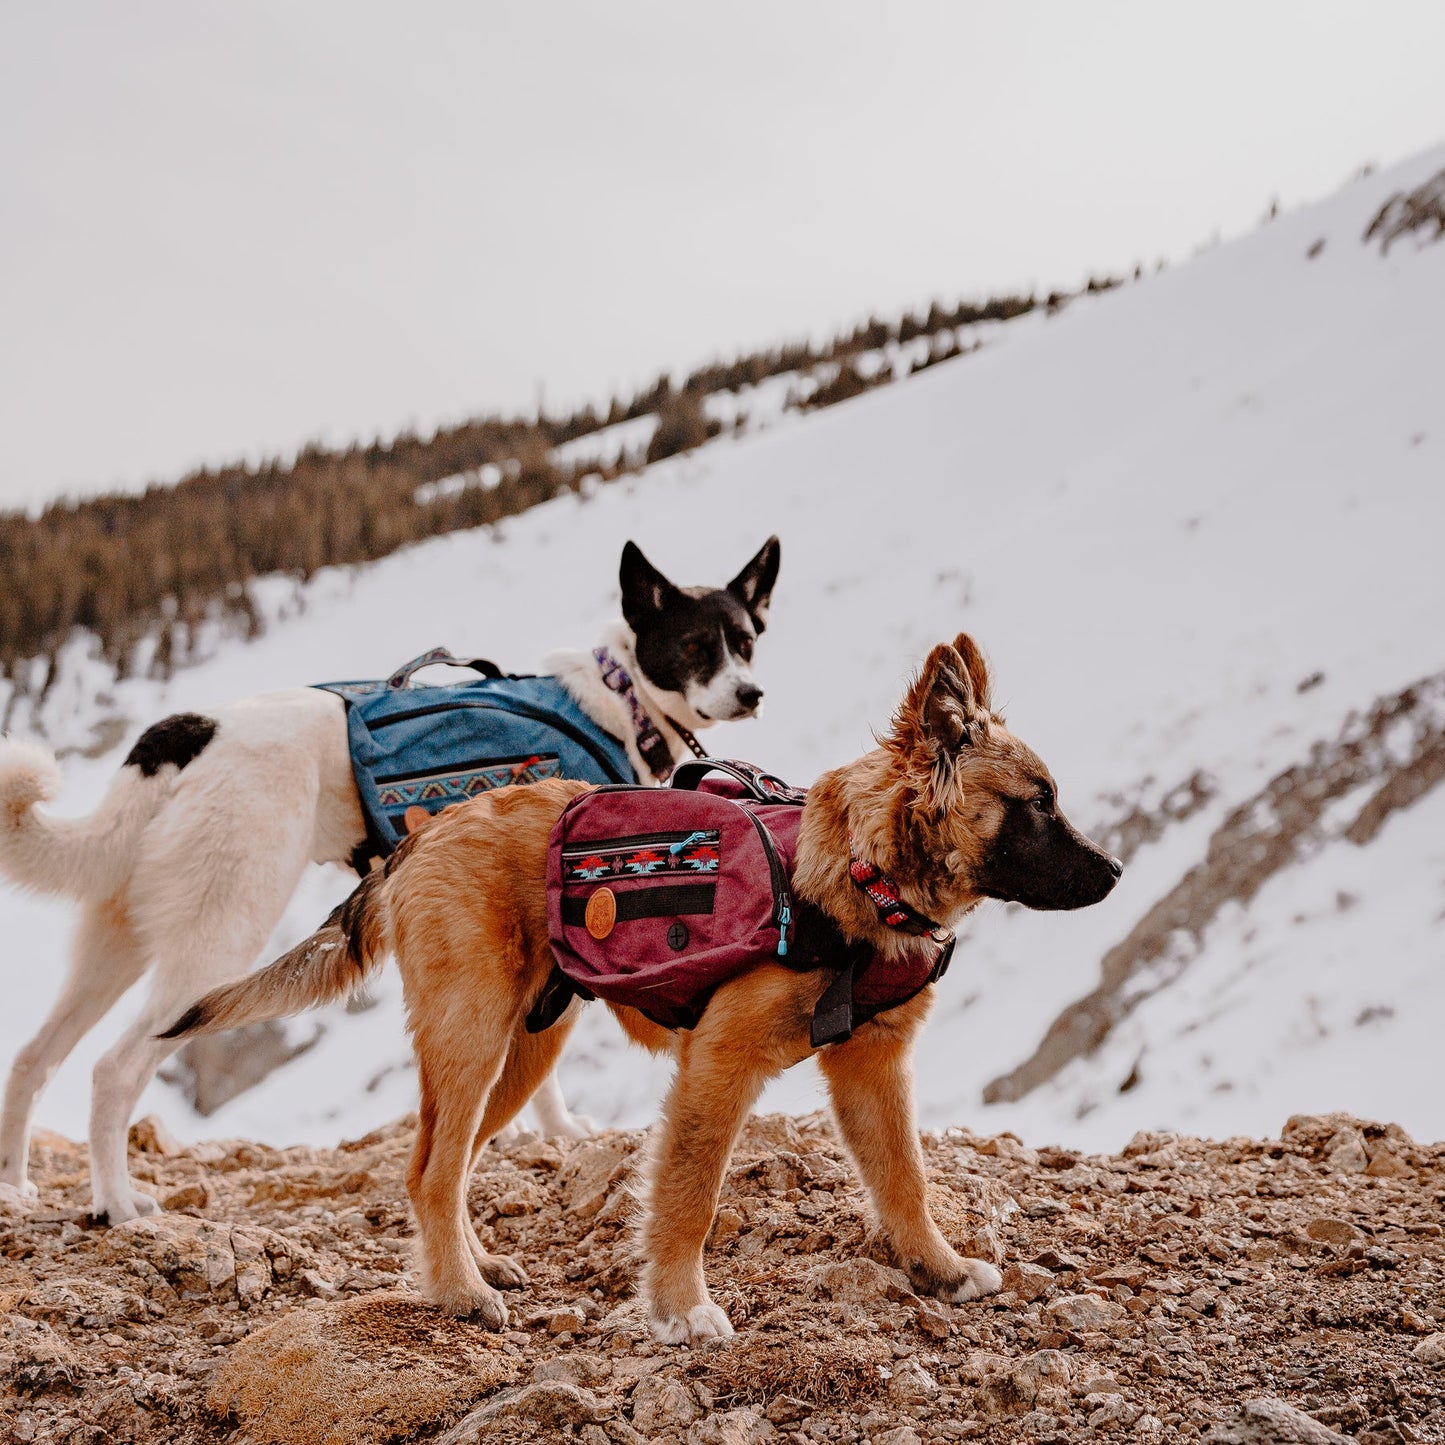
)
(1246, 1293)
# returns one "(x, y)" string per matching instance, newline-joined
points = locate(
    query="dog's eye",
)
(1044, 803)
(742, 645)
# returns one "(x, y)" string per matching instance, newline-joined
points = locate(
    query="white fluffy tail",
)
(79, 857)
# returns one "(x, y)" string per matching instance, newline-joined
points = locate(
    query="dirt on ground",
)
(1237, 1291)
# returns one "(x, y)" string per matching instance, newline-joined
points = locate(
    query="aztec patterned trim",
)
(650, 742)
(666, 854)
(885, 896)
(437, 790)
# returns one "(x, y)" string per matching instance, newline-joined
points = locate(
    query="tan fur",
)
(463, 906)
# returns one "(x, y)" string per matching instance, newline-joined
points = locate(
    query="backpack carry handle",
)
(402, 675)
(760, 786)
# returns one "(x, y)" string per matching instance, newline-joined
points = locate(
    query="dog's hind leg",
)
(210, 900)
(530, 1057)
(870, 1078)
(106, 958)
(455, 1084)
(529, 1065)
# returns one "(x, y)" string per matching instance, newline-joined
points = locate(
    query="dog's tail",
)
(332, 964)
(79, 857)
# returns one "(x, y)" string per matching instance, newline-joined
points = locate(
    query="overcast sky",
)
(225, 230)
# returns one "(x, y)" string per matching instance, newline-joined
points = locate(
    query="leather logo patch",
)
(601, 913)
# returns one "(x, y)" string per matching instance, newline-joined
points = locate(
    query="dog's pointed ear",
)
(938, 716)
(977, 668)
(645, 591)
(753, 586)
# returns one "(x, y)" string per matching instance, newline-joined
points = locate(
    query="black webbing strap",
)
(660, 902)
(557, 993)
(833, 1014)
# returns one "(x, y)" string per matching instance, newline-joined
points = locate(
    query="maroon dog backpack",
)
(656, 896)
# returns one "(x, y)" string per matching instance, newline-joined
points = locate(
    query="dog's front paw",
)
(979, 1278)
(702, 1322)
(19, 1188)
(478, 1301)
(503, 1271)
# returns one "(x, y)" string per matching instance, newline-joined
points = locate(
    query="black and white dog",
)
(199, 843)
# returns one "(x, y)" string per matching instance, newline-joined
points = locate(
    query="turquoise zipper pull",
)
(687, 842)
(784, 919)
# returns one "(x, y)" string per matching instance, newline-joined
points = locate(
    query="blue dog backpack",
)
(431, 746)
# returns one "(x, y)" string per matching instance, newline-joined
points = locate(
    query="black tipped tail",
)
(192, 1021)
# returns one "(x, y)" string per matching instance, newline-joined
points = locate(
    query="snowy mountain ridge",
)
(1196, 524)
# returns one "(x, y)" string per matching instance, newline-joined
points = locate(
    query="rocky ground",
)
(1284, 1290)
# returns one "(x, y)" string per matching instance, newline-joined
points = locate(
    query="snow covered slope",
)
(1196, 523)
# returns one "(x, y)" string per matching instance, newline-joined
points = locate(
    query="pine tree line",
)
(173, 555)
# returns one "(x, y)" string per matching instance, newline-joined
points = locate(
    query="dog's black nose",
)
(749, 695)
(1115, 867)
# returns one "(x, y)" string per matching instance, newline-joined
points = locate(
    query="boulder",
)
(1268, 1421)
(361, 1371)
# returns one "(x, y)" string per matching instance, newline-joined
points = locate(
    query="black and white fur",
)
(199, 842)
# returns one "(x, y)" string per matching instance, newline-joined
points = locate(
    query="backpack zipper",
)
(677, 841)
(782, 903)
(536, 714)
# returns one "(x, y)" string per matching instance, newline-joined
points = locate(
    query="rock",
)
(932, 1318)
(1095, 1382)
(1385, 1163)
(538, 1154)
(1084, 1312)
(1131, 1276)
(1267, 1421)
(569, 1321)
(859, 1281)
(196, 1195)
(1039, 1382)
(900, 1435)
(787, 1409)
(778, 1173)
(151, 1136)
(731, 1427)
(1028, 1281)
(1345, 1152)
(1109, 1408)
(362, 1370)
(194, 1256)
(660, 1402)
(1431, 1350)
(1007, 1146)
(911, 1383)
(1385, 1432)
(592, 1168)
(1337, 1232)
(552, 1404)
(1146, 1141)
(576, 1367)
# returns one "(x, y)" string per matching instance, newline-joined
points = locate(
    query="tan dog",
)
(951, 805)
